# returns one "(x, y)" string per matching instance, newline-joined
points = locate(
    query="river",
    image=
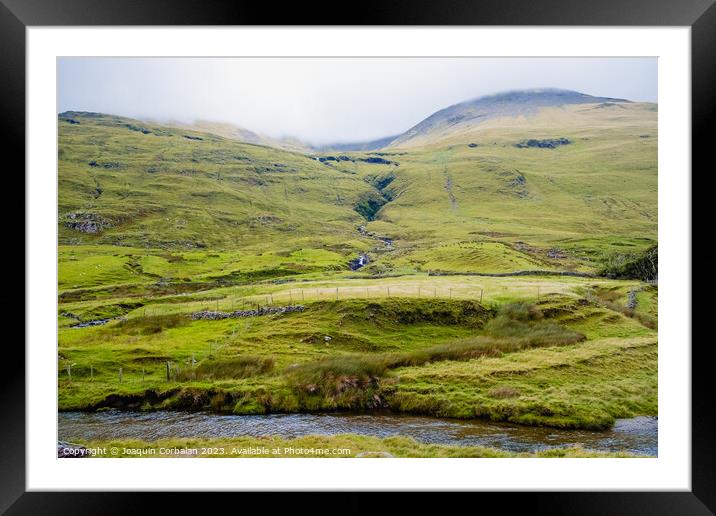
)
(637, 435)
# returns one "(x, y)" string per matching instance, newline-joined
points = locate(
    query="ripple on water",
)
(637, 435)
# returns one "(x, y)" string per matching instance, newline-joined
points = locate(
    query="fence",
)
(176, 370)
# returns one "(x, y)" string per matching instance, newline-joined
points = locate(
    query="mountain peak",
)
(542, 94)
(511, 103)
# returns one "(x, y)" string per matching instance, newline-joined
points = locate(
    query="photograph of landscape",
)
(357, 257)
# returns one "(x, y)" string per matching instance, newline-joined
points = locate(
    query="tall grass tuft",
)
(148, 325)
(228, 368)
(525, 323)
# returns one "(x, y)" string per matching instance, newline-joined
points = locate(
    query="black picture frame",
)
(700, 15)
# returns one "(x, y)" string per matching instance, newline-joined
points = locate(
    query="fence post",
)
(302, 298)
(142, 374)
(120, 375)
(167, 370)
(537, 293)
(69, 372)
(388, 291)
(91, 372)
(336, 293)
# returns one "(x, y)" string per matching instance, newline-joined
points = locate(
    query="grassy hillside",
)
(581, 201)
(159, 225)
(127, 183)
(474, 202)
(240, 134)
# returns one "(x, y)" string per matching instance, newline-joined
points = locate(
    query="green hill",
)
(551, 187)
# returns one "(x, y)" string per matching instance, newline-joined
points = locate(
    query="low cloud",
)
(324, 100)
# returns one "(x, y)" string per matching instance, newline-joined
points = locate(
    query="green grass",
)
(584, 386)
(183, 221)
(228, 368)
(487, 257)
(284, 363)
(336, 446)
(102, 266)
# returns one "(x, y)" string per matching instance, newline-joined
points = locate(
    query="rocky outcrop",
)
(549, 143)
(86, 222)
(105, 164)
(97, 322)
(518, 184)
(138, 129)
(380, 161)
(371, 160)
(556, 254)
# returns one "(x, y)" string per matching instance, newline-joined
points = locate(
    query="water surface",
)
(637, 435)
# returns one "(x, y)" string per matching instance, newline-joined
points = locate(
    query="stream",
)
(364, 259)
(636, 435)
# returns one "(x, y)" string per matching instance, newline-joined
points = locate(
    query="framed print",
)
(259, 254)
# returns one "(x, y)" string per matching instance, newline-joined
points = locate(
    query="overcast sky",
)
(326, 100)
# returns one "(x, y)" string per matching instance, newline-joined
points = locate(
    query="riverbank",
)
(563, 361)
(591, 384)
(637, 435)
(338, 446)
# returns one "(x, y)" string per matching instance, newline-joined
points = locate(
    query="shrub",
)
(643, 266)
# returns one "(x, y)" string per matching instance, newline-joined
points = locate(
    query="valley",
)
(496, 262)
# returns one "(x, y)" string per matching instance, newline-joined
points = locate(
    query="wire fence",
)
(184, 368)
(343, 293)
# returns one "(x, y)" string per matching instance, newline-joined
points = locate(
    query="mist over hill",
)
(535, 169)
(471, 113)
(518, 103)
